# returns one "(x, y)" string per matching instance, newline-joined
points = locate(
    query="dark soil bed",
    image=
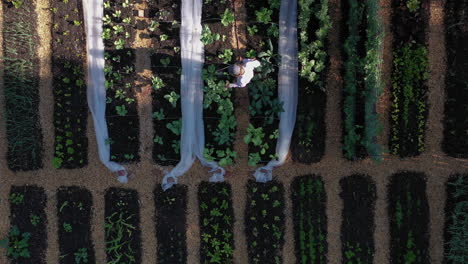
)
(166, 67)
(455, 141)
(122, 226)
(264, 222)
(310, 219)
(69, 84)
(456, 220)
(21, 86)
(357, 228)
(409, 74)
(216, 223)
(408, 210)
(27, 207)
(171, 224)
(74, 211)
(121, 109)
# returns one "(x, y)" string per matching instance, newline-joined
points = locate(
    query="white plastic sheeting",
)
(93, 13)
(192, 135)
(287, 86)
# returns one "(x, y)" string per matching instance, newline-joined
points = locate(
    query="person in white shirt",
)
(243, 71)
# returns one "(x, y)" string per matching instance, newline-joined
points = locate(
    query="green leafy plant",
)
(173, 97)
(81, 256)
(227, 18)
(413, 5)
(17, 244)
(16, 3)
(264, 15)
(121, 110)
(226, 56)
(34, 219)
(17, 198)
(207, 37)
(117, 244)
(157, 83)
(252, 30)
(67, 227)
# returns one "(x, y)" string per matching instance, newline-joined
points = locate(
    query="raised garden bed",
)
(357, 229)
(408, 211)
(216, 223)
(455, 141)
(121, 110)
(362, 36)
(27, 239)
(171, 224)
(122, 226)
(409, 74)
(314, 23)
(264, 109)
(310, 219)
(264, 222)
(74, 211)
(69, 84)
(218, 18)
(456, 220)
(21, 85)
(164, 29)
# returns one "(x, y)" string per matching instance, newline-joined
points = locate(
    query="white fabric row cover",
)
(192, 142)
(93, 13)
(287, 86)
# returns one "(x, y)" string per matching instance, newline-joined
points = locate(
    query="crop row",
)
(362, 84)
(121, 109)
(69, 85)
(262, 39)
(314, 23)
(164, 30)
(21, 85)
(220, 123)
(264, 217)
(456, 109)
(409, 73)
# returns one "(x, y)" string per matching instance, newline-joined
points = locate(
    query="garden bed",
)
(69, 84)
(21, 85)
(456, 220)
(216, 223)
(171, 224)
(310, 219)
(409, 75)
(264, 222)
(455, 141)
(308, 141)
(122, 109)
(164, 29)
(74, 211)
(357, 229)
(28, 225)
(362, 36)
(262, 39)
(408, 211)
(220, 123)
(122, 226)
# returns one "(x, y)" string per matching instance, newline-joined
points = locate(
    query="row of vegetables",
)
(264, 222)
(362, 37)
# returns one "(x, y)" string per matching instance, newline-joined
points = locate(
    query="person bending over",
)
(243, 71)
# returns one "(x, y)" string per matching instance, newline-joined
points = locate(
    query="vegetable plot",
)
(308, 141)
(69, 85)
(357, 228)
(27, 239)
(121, 109)
(409, 74)
(216, 223)
(456, 220)
(218, 114)
(362, 84)
(264, 222)
(409, 218)
(164, 29)
(74, 207)
(262, 39)
(122, 231)
(455, 141)
(21, 85)
(310, 219)
(171, 222)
